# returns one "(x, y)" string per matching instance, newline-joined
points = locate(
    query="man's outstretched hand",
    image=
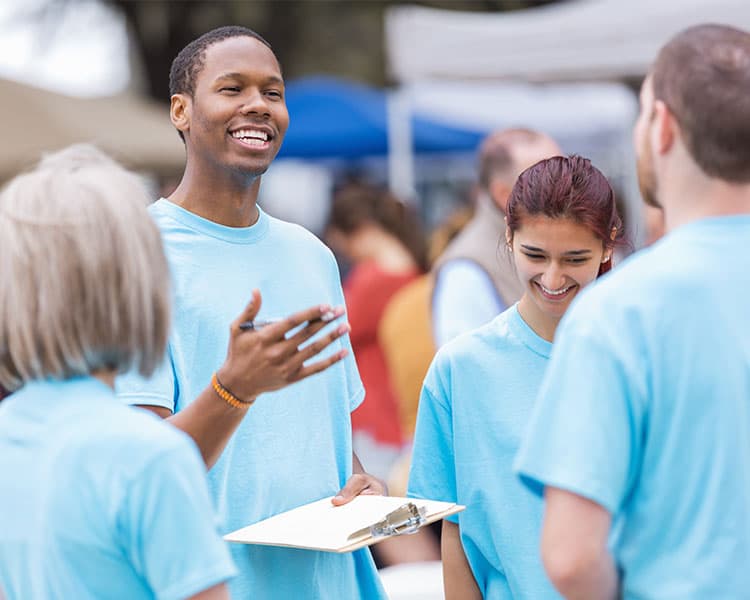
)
(270, 358)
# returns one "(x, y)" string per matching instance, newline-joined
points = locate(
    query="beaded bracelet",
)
(228, 396)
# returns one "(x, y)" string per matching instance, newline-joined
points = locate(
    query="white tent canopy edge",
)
(575, 40)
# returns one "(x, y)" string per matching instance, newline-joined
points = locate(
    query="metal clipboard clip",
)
(406, 519)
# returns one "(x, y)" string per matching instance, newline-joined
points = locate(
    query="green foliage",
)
(335, 37)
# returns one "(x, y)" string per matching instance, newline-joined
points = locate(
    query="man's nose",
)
(254, 103)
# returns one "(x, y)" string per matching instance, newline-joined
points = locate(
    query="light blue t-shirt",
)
(99, 500)
(645, 409)
(475, 403)
(294, 445)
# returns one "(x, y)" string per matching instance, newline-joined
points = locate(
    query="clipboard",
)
(362, 522)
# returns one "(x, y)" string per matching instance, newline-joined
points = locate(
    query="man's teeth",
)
(559, 292)
(250, 136)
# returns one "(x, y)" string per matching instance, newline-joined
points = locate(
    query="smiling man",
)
(640, 437)
(292, 445)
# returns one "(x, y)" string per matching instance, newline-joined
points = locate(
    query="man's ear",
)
(665, 127)
(499, 193)
(179, 112)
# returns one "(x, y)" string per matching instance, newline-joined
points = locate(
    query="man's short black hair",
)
(189, 62)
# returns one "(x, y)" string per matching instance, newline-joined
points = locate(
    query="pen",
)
(256, 324)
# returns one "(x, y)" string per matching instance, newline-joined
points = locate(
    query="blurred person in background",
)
(381, 238)
(405, 336)
(97, 500)
(447, 230)
(382, 241)
(270, 446)
(474, 279)
(640, 438)
(562, 226)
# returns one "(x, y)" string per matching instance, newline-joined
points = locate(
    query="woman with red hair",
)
(562, 226)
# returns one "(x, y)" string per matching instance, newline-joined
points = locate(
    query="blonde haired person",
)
(83, 478)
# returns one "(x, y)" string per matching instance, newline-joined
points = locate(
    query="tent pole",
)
(400, 145)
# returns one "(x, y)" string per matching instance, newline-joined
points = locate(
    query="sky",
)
(82, 50)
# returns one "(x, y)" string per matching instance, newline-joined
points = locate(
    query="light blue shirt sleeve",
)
(433, 475)
(170, 530)
(157, 390)
(465, 298)
(585, 435)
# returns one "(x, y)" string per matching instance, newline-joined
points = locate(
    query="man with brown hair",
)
(641, 434)
(474, 280)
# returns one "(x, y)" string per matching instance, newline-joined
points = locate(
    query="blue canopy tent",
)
(421, 137)
(336, 119)
(337, 124)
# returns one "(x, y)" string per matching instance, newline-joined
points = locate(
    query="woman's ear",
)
(508, 235)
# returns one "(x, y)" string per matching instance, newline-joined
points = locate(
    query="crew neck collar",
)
(526, 334)
(234, 235)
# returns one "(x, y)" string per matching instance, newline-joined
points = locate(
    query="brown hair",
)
(703, 76)
(356, 204)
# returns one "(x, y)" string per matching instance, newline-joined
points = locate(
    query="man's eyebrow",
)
(229, 76)
(273, 79)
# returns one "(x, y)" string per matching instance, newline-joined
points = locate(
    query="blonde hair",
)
(84, 277)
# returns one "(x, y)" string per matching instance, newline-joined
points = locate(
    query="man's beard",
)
(646, 176)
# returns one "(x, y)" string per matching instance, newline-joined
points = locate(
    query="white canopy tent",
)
(545, 68)
(134, 130)
(591, 119)
(565, 111)
(574, 40)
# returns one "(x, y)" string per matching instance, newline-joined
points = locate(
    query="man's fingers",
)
(322, 312)
(314, 327)
(319, 366)
(316, 347)
(354, 487)
(359, 484)
(250, 311)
